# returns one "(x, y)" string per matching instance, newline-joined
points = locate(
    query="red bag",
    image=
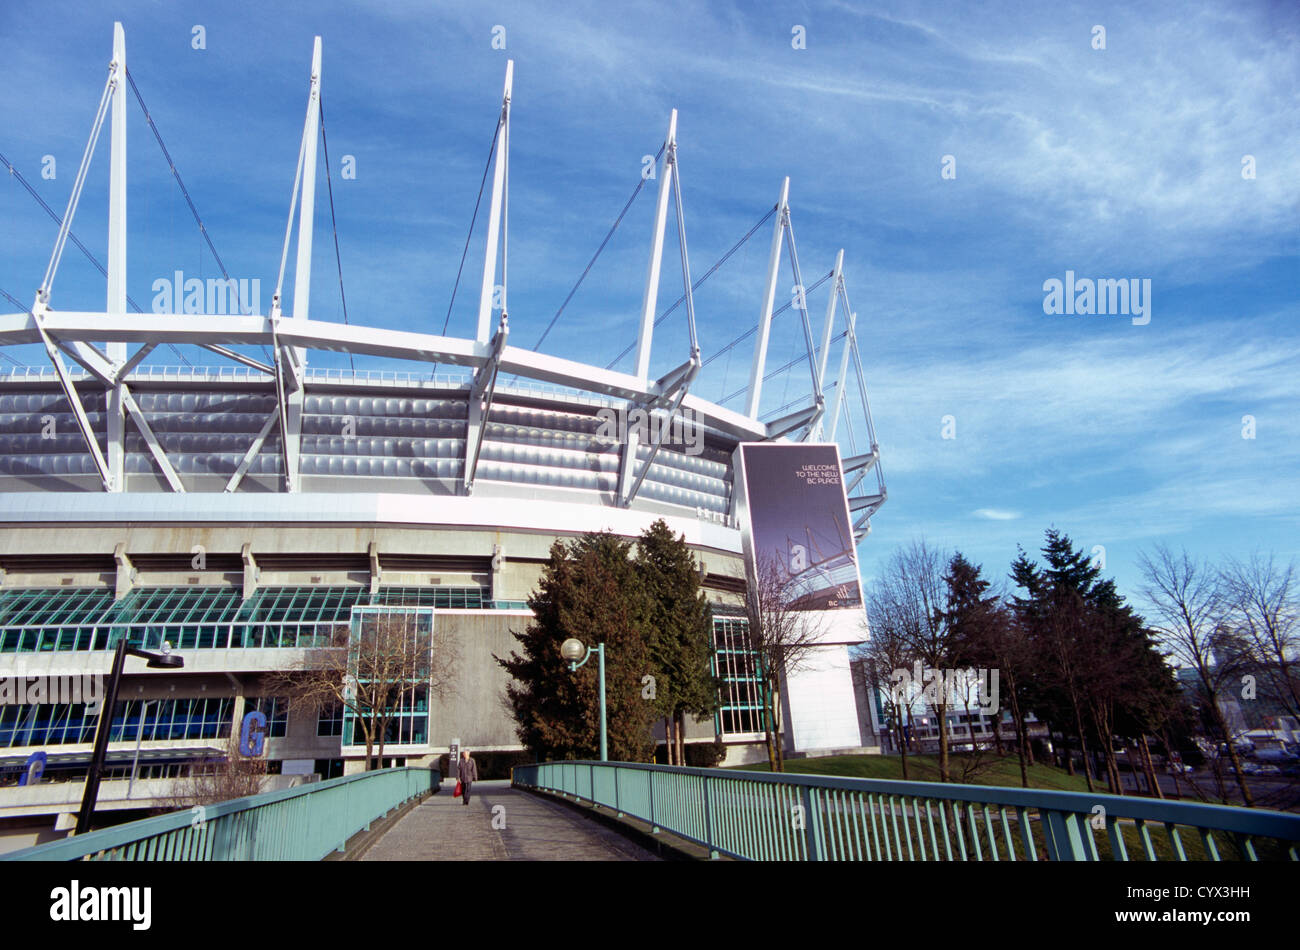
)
(456, 794)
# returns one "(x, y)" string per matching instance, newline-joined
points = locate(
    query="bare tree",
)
(975, 762)
(1192, 607)
(782, 638)
(911, 593)
(1003, 645)
(1109, 683)
(886, 653)
(375, 675)
(214, 780)
(1263, 598)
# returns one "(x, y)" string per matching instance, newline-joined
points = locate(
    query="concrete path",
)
(528, 828)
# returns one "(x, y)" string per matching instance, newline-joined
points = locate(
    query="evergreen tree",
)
(970, 610)
(592, 590)
(1097, 666)
(681, 630)
(1054, 616)
(1155, 704)
(986, 636)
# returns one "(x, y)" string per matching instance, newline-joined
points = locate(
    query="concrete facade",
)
(364, 536)
(123, 558)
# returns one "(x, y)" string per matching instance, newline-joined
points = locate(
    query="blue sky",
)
(1123, 162)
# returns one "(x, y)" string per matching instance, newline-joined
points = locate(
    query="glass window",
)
(276, 710)
(66, 619)
(330, 720)
(740, 688)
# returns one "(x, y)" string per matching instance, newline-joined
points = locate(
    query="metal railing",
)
(298, 824)
(230, 372)
(785, 817)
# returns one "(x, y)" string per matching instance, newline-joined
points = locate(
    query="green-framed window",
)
(741, 710)
(199, 618)
(409, 722)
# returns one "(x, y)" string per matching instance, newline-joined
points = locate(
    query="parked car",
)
(1275, 755)
(1243, 747)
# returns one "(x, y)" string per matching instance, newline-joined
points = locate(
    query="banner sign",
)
(794, 519)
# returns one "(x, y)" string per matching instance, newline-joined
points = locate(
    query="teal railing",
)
(298, 824)
(786, 817)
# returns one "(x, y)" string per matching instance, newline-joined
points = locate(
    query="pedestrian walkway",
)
(500, 824)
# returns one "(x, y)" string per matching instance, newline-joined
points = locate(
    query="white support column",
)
(481, 393)
(251, 571)
(42, 302)
(74, 401)
(289, 397)
(851, 319)
(90, 359)
(125, 575)
(499, 590)
(651, 296)
(830, 319)
(306, 214)
(769, 297)
(117, 190)
(627, 462)
(817, 431)
(291, 362)
(862, 386)
(116, 302)
(484, 331)
(376, 572)
(151, 441)
(253, 449)
(123, 371)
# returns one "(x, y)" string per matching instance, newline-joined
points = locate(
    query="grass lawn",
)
(925, 768)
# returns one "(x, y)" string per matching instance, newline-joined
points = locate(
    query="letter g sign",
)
(252, 737)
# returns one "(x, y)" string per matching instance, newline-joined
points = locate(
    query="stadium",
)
(243, 512)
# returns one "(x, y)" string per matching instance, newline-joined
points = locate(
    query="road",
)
(1280, 792)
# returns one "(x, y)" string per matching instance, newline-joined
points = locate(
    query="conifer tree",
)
(1055, 616)
(680, 633)
(1097, 663)
(985, 635)
(592, 590)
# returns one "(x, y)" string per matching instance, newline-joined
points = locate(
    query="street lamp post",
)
(165, 661)
(573, 648)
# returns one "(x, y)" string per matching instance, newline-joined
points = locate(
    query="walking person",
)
(466, 774)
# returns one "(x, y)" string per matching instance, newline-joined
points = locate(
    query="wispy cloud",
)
(996, 514)
(1122, 162)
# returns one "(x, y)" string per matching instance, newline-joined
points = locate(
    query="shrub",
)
(705, 755)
